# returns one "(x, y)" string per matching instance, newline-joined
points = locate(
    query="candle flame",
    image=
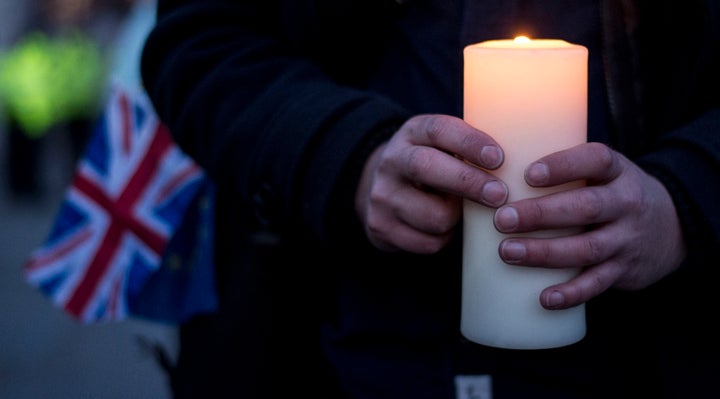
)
(522, 39)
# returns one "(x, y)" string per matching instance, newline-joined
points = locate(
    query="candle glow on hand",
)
(522, 39)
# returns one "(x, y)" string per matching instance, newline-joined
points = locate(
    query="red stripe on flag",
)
(59, 252)
(126, 123)
(161, 144)
(122, 219)
(95, 270)
(176, 182)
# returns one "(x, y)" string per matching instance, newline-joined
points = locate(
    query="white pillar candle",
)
(531, 97)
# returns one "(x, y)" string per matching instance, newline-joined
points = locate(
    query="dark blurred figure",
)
(52, 80)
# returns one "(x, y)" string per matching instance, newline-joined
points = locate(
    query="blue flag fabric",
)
(133, 235)
(184, 285)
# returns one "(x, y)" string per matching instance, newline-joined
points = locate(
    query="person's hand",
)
(410, 193)
(634, 237)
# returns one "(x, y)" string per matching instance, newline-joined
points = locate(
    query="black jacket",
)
(281, 101)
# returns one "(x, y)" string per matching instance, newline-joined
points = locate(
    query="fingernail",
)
(491, 156)
(537, 173)
(506, 218)
(494, 193)
(555, 299)
(512, 251)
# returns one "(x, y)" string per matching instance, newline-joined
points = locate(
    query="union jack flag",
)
(128, 196)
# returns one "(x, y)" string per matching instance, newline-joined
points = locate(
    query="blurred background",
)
(44, 353)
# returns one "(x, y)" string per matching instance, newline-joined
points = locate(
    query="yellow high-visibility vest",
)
(48, 80)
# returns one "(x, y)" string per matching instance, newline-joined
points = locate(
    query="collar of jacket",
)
(660, 61)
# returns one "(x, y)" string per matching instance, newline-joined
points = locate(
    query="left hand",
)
(634, 237)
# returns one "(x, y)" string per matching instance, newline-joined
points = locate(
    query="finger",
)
(573, 208)
(429, 167)
(402, 237)
(428, 212)
(591, 161)
(577, 250)
(590, 283)
(455, 136)
(397, 219)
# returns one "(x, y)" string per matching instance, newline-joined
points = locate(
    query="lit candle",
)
(531, 97)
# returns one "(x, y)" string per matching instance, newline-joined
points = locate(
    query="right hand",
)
(409, 197)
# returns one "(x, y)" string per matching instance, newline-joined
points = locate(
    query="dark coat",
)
(282, 101)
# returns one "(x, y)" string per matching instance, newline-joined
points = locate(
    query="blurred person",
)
(53, 79)
(332, 131)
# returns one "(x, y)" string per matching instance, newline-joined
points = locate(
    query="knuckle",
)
(439, 220)
(631, 199)
(378, 197)
(471, 182)
(418, 162)
(604, 155)
(589, 205)
(436, 126)
(594, 250)
(600, 283)
(600, 278)
(634, 200)
(471, 141)
(536, 211)
(544, 252)
(374, 225)
(414, 124)
(467, 176)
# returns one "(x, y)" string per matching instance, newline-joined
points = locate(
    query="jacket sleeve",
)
(686, 156)
(687, 161)
(263, 119)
